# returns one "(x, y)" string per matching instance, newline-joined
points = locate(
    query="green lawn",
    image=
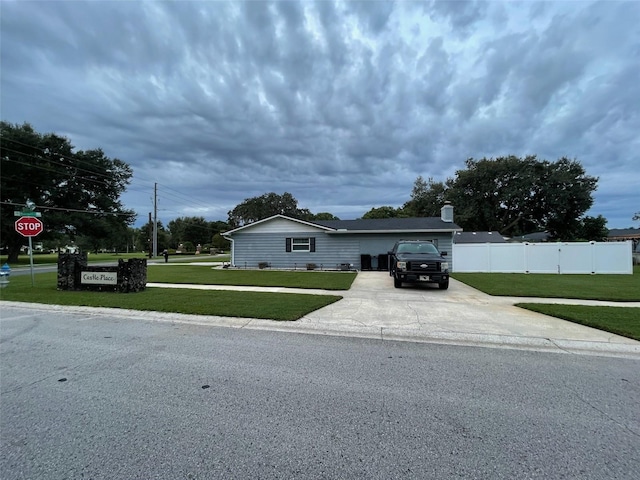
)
(206, 275)
(620, 320)
(621, 288)
(273, 306)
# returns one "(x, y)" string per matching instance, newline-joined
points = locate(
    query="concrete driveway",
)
(460, 315)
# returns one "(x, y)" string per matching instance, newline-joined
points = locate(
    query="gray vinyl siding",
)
(375, 244)
(250, 249)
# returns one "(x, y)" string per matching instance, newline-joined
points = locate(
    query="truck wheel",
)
(444, 285)
(397, 283)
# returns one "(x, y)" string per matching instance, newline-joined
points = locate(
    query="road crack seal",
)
(415, 311)
(558, 346)
(604, 414)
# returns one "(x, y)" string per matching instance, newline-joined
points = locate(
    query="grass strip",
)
(197, 258)
(621, 288)
(619, 320)
(271, 306)
(205, 275)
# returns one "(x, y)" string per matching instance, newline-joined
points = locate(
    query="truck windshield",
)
(417, 248)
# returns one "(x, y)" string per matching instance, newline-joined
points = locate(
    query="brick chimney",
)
(446, 212)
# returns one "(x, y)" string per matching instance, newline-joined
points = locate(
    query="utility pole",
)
(155, 219)
(150, 236)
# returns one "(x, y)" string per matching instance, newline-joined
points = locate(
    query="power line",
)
(55, 170)
(53, 156)
(99, 182)
(181, 196)
(74, 210)
(177, 195)
(75, 159)
(41, 167)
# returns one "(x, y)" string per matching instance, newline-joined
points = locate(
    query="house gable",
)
(278, 224)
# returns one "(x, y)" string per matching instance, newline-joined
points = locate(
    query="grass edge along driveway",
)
(623, 321)
(205, 275)
(270, 306)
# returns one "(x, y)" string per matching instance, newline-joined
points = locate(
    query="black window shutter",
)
(288, 245)
(312, 244)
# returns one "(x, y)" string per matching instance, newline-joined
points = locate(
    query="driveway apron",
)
(459, 315)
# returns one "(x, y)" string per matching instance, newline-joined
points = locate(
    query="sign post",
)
(28, 225)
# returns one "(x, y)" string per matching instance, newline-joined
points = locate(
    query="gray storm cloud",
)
(343, 104)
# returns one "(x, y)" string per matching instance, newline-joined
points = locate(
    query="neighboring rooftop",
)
(478, 237)
(624, 234)
(533, 237)
(390, 224)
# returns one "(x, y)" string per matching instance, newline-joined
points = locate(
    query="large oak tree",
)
(512, 195)
(77, 192)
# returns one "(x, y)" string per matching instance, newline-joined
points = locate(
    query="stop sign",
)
(29, 226)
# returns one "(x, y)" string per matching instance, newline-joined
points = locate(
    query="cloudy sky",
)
(343, 104)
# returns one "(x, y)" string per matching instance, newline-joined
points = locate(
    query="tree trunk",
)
(14, 251)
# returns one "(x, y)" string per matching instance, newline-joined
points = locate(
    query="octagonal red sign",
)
(29, 226)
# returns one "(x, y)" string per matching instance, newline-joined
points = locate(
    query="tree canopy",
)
(264, 206)
(78, 192)
(427, 197)
(512, 195)
(188, 231)
(323, 216)
(196, 230)
(384, 212)
(593, 229)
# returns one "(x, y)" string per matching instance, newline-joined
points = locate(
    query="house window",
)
(306, 244)
(300, 244)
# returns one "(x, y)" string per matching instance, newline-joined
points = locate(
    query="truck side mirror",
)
(444, 254)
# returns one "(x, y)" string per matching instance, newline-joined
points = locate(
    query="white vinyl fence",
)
(579, 257)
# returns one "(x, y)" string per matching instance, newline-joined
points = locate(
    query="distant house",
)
(624, 234)
(284, 242)
(532, 237)
(478, 237)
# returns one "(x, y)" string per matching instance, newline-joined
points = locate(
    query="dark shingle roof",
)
(624, 233)
(478, 237)
(390, 224)
(533, 237)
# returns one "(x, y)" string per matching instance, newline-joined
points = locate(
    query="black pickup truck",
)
(417, 261)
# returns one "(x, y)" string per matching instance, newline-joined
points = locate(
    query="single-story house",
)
(532, 237)
(623, 234)
(478, 237)
(284, 242)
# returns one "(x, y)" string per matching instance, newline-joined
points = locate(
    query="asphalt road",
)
(105, 397)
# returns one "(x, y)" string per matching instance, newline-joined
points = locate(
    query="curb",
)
(606, 349)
